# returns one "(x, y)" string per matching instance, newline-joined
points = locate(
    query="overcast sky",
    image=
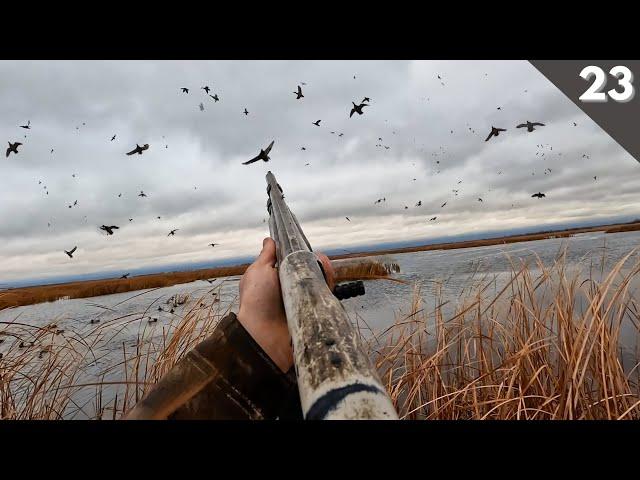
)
(198, 184)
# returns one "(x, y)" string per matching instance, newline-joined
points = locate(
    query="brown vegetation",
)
(546, 346)
(345, 270)
(627, 227)
(93, 288)
(37, 385)
(623, 228)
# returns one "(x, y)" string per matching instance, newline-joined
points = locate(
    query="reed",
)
(546, 346)
(45, 377)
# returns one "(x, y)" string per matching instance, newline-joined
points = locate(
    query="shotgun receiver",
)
(336, 379)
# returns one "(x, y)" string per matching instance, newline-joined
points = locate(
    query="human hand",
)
(261, 310)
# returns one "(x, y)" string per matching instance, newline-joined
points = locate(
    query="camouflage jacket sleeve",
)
(225, 377)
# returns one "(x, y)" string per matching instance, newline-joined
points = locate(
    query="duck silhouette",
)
(495, 132)
(530, 125)
(139, 149)
(109, 229)
(263, 155)
(13, 147)
(357, 109)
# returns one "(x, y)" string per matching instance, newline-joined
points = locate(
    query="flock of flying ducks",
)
(264, 153)
(139, 150)
(358, 108)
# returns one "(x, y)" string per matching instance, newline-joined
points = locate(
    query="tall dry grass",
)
(45, 378)
(60, 374)
(546, 346)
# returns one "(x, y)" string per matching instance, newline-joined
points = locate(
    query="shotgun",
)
(336, 379)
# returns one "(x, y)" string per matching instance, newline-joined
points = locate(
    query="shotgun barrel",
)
(336, 379)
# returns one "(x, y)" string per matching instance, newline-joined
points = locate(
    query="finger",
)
(329, 272)
(268, 254)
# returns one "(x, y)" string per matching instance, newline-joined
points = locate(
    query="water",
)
(451, 271)
(107, 329)
(457, 271)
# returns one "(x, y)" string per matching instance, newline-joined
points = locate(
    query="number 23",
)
(594, 93)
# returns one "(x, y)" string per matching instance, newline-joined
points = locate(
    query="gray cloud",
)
(410, 110)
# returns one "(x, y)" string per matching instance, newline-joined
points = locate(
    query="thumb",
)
(268, 254)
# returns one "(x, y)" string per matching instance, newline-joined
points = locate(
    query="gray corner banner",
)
(620, 119)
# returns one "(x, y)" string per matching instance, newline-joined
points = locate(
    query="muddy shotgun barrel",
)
(336, 379)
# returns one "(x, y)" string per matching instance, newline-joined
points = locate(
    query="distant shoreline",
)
(91, 288)
(525, 237)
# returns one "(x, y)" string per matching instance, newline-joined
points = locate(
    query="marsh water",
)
(441, 274)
